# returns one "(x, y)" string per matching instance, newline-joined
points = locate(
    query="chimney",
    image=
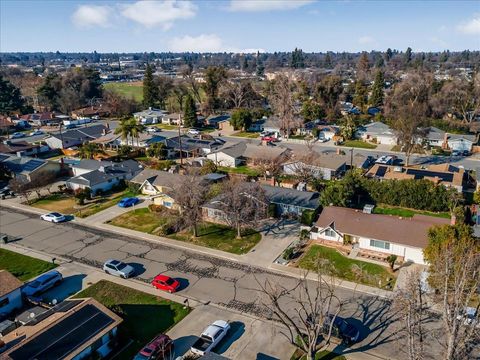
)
(453, 220)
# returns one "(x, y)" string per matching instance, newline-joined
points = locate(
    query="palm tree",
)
(136, 129)
(125, 129)
(89, 150)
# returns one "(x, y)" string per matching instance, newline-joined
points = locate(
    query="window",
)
(167, 204)
(4, 302)
(330, 233)
(380, 244)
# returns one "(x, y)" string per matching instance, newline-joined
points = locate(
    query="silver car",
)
(54, 217)
(118, 268)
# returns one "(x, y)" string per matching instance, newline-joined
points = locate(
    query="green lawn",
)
(243, 169)
(22, 266)
(403, 212)
(140, 220)
(166, 126)
(62, 203)
(144, 315)
(331, 261)
(104, 203)
(322, 355)
(127, 89)
(221, 237)
(247, 134)
(358, 144)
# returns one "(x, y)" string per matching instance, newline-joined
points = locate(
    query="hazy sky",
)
(237, 25)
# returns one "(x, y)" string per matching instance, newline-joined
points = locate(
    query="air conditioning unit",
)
(398, 169)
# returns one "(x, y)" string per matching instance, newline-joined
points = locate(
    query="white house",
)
(149, 116)
(377, 132)
(374, 233)
(458, 142)
(10, 293)
(231, 156)
(321, 166)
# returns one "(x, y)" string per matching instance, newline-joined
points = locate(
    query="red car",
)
(166, 283)
(269, 139)
(159, 348)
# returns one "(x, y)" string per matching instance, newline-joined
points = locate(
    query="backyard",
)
(404, 212)
(334, 263)
(359, 144)
(127, 89)
(144, 315)
(243, 169)
(215, 236)
(23, 267)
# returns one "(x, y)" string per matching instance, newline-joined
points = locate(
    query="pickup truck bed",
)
(201, 344)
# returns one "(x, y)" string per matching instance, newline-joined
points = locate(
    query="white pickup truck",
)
(210, 337)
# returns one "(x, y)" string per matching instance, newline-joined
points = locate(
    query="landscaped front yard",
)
(144, 315)
(330, 261)
(22, 266)
(62, 203)
(210, 235)
(247, 134)
(359, 144)
(243, 169)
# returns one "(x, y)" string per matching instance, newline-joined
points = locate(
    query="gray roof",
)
(263, 152)
(158, 178)
(21, 164)
(104, 171)
(285, 196)
(82, 135)
(190, 144)
(439, 135)
(127, 165)
(150, 112)
(376, 128)
(235, 150)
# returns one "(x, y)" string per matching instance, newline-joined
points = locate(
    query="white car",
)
(36, 132)
(210, 337)
(193, 132)
(118, 268)
(54, 217)
(153, 129)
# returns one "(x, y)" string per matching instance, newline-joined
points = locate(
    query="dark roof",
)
(89, 164)
(10, 147)
(82, 134)
(407, 231)
(217, 119)
(107, 170)
(280, 195)
(190, 144)
(21, 164)
(8, 283)
(65, 336)
(157, 177)
(235, 150)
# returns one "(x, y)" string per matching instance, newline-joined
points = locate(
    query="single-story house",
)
(377, 132)
(10, 293)
(29, 168)
(458, 142)
(445, 174)
(194, 146)
(255, 154)
(73, 329)
(144, 140)
(40, 119)
(328, 132)
(101, 175)
(149, 116)
(230, 155)
(375, 233)
(22, 148)
(322, 166)
(75, 137)
(214, 121)
(273, 125)
(258, 125)
(171, 119)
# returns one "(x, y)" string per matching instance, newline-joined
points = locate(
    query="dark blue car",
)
(127, 202)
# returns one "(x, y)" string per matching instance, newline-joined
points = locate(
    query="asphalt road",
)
(205, 278)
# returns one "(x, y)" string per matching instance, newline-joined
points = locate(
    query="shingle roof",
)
(8, 283)
(14, 147)
(280, 195)
(22, 164)
(263, 152)
(235, 150)
(88, 133)
(406, 231)
(102, 171)
(158, 178)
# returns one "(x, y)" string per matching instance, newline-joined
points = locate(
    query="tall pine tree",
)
(189, 112)
(376, 98)
(361, 95)
(150, 91)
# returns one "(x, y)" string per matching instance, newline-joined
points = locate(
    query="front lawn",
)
(403, 212)
(243, 169)
(22, 266)
(247, 134)
(61, 203)
(104, 203)
(221, 237)
(144, 315)
(140, 220)
(359, 144)
(334, 263)
(321, 355)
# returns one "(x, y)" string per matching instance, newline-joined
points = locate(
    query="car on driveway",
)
(17, 135)
(127, 202)
(153, 129)
(193, 132)
(54, 217)
(341, 329)
(42, 283)
(210, 337)
(118, 268)
(165, 283)
(36, 132)
(6, 192)
(159, 348)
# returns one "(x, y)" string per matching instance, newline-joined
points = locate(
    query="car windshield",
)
(170, 281)
(147, 350)
(56, 214)
(121, 266)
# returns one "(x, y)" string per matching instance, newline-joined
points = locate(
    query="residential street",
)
(208, 279)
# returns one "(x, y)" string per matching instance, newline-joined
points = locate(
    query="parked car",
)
(470, 317)
(166, 283)
(341, 329)
(265, 133)
(127, 202)
(153, 129)
(36, 132)
(159, 348)
(54, 217)
(118, 268)
(269, 139)
(42, 283)
(466, 153)
(456, 153)
(17, 135)
(6, 192)
(193, 132)
(210, 337)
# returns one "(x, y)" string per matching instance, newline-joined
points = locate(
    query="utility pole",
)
(351, 158)
(61, 134)
(180, 137)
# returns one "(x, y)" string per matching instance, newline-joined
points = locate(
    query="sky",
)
(238, 25)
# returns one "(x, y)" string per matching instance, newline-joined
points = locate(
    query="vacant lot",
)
(332, 262)
(22, 266)
(144, 315)
(128, 89)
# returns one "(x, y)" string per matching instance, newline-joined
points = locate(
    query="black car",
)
(6, 192)
(466, 153)
(341, 329)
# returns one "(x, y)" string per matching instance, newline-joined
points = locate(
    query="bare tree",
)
(408, 108)
(303, 167)
(307, 310)
(21, 186)
(242, 203)
(411, 306)
(189, 77)
(190, 194)
(267, 164)
(282, 100)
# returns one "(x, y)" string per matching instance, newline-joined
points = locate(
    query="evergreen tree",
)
(408, 55)
(298, 59)
(150, 93)
(376, 98)
(328, 61)
(388, 54)
(189, 112)
(361, 95)
(241, 119)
